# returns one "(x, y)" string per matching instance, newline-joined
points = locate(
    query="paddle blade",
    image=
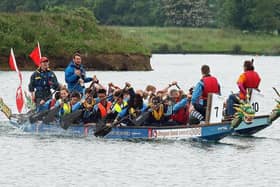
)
(68, 120)
(5, 109)
(140, 120)
(50, 117)
(102, 129)
(37, 116)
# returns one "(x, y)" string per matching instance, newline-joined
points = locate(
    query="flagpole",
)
(19, 95)
(39, 50)
(14, 60)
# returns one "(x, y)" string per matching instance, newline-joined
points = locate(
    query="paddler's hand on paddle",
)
(110, 85)
(127, 85)
(42, 102)
(95, 79)
(82, 82)
(113, 86)
(78, 72)
(174, 83)
(116, 121)
(191, 108)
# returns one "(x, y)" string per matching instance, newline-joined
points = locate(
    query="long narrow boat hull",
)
(213, 132)
(207, 132)
(259, 123)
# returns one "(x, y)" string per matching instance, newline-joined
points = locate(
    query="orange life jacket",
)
(103, 110)
(210, 86)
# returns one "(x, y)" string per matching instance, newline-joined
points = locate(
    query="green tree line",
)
(251, 15)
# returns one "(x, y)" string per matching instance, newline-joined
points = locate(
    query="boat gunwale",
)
(226, 122)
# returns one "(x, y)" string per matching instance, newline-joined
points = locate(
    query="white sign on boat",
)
(257, 101)
(215, 106)
(176, 133)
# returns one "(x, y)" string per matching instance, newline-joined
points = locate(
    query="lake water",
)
(41, 160)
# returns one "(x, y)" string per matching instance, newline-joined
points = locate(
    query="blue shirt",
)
(72, 79)
(197, 93)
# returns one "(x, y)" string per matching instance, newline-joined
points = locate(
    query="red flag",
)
(19, 94)
(12, 61)
(19, 99)
(35, 55)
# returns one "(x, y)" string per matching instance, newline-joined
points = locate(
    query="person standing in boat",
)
(75, 75)
(207, 84)
(41, 83)
(247, 80)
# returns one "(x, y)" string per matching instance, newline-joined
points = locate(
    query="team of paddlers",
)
(168, 106)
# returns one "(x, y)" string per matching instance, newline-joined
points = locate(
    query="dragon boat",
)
(245, 122)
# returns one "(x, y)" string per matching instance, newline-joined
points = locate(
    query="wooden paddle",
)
(39, 116)
(5, 109)
(69, 119)
(276, 91)
(102, 129)
(178, 86)
(140, 120)
(50, 116)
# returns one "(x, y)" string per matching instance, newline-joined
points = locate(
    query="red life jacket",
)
(52, 103)
(103, 110)
(210, 86)
(182, 116)
(252, 79)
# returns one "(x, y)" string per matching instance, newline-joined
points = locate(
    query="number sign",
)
(216, 110)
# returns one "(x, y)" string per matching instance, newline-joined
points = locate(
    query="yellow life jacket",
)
(89, 105)
(157, 114)
(66, 108)
(132, 112)
(118, 107)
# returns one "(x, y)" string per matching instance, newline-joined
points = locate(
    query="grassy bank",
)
(196, 40)
(60, 34)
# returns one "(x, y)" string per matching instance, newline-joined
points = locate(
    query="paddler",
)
(207, 84)
(75, 75)
(118, 104)
(135, 105)
(177, 107)
(87, 105)
(68, 102)
(41, 83)
(104, 106)
(249, 79)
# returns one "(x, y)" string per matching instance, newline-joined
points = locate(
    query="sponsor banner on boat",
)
(176, 133)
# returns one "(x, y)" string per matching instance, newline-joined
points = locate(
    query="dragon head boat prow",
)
(275, 112)
(244, 112)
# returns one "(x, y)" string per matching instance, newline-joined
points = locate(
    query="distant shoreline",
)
(100, 62)
(183, 40)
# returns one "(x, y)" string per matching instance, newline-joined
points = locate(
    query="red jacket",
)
(249, 79)
(210, 86)
(252, 79)
(182, 116)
